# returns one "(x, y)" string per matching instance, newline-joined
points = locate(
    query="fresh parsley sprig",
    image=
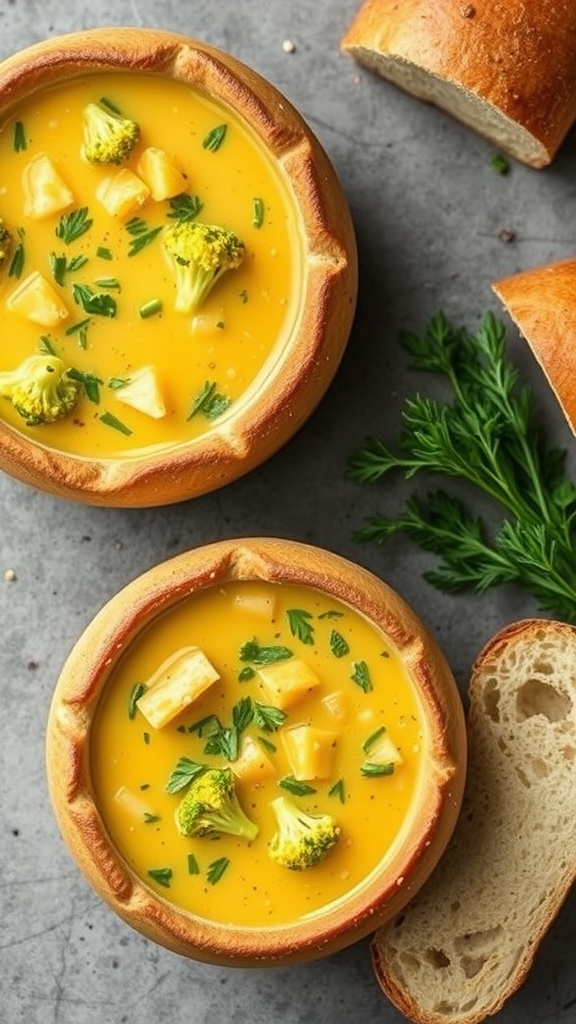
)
(487, 436)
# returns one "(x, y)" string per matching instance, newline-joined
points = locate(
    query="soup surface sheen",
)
(246, 317)
(362, 686)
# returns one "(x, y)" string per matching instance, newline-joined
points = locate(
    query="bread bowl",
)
(540, 301)
(177, 390)
(384, 676)
(505, 69)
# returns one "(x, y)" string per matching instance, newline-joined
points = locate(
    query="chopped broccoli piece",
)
(302, 839)
(211, 805)
(109, 137)
(200, 254)
(5, 243)
(40, 389)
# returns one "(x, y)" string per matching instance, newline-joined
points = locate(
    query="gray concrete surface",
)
(429, 210)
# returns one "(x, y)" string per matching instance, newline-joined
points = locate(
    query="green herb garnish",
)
(499, 163)
(338, 791)
(361, 676)
(268, 717)
(73, 225)
(224, 740)
(97, 303)
(146, 737)
(163, 876)
(331, 614)
(149, 819)
(109, 282)
(215, 137)
(372, 739)
(142, 235)
(81, 329)
(150, 308)
(486, 436)
(137, 691)
(183, 773)
(18, 257)
(60, 266)
(245, 674)
(216, 869)
(371, 769)
(193, 868)
(90, 383)
(258, 213)
(296, 787)
(19, 141)
(185, 207)
(110, 420)
(209, 402)
(46, 346)
(103, 252)
(300, 626)
(257, 654)
(338, 645)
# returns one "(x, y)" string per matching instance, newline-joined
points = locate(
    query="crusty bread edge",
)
(542, 303)
(387, 982)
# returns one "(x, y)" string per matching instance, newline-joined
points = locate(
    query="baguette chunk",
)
(468, 939)
(506, 70)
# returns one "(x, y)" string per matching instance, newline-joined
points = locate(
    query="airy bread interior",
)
(464, 945)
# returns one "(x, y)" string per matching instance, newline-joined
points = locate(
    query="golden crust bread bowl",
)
(296, 376)
(541, 303)
(421, 838)
(505, 69)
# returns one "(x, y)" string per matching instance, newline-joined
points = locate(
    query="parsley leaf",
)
(73, 225)
(257, 654)
(300, 626)
(183, 773)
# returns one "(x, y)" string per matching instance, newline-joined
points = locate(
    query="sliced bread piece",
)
(542, 303)
(467, 940)
(505, 68)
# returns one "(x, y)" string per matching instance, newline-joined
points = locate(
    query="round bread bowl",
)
(299, 370)
(422, 837)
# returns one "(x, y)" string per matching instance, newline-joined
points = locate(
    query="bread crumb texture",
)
(464, 945)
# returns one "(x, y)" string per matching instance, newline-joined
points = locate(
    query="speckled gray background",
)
(429, 211)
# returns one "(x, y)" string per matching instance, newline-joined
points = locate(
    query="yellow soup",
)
(81, 244)
(303, 699)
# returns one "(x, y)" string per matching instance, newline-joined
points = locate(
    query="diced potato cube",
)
(38, 301)
(254, 765)
(45, 191)
(310, 751)
(134, 804)
(255, 603)
(161, 173)
(287, 682)
(179, 680)
(382, 750)
(335, 704)
(122, 194)
(142, 392)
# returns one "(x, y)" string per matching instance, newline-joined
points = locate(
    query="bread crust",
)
(303, 370)
(457, 936)
(541, 302)
(85, 674)
(517, 57)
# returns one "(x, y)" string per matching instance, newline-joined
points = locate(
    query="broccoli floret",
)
(5, 243)
(211, 805)
(200, 254)
(109, 137)
(40, 389)
(302, 839)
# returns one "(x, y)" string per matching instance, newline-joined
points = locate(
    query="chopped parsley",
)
(73, 225)
(300, 625)
(215, 137)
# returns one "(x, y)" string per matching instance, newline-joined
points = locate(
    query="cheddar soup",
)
(203, 363)
(300, 696)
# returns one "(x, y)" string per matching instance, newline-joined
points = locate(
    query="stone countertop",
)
(435, 225)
